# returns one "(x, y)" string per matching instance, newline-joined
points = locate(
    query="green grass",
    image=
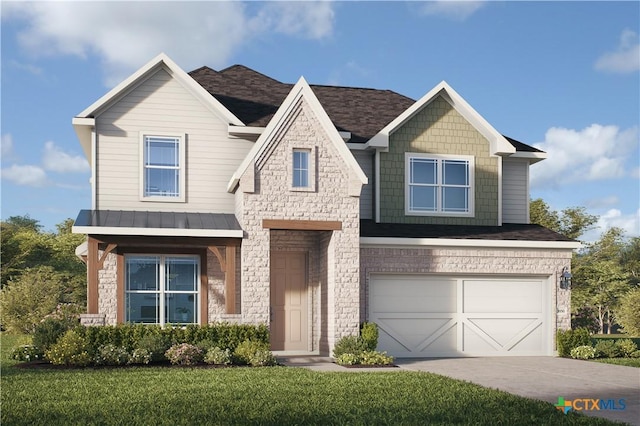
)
(629, 362)
(277, 395)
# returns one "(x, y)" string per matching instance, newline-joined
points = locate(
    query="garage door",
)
(436, 316)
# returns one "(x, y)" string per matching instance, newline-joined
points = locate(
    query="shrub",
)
(205, 345)
(347, 359)
(253, 353)
(155, 344)
(375, 358)
(349, 345)
(628, 314)
(70, 349)
(369, 335)
(635, 354)
(626, 347)
(184, 354)
(49, 331)
(26, 300)
(570, 339)
(111, 355)
(140, 356)
(583, 352)
(218, 356)
(606, 349)
(26, 353)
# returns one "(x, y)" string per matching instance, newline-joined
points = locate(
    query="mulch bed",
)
(369, 366)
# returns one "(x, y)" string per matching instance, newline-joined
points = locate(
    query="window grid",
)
(161, 166)
(439, 191)
(170, 305)
(301, 168)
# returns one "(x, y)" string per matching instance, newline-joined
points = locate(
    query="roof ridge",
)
(223, 71)
(203, 68)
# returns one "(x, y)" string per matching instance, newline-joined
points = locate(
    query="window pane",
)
(162, 151)
(142, 273)
(455, 199)
(422, 198)
(455, 172)
(423, 171)
(163, 182)
(181, 274)
(181, 308)
(143, 308)
(300, 169)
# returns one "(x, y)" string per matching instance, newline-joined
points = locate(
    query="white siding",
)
(365, 160)
(161, 104)
(515, 191)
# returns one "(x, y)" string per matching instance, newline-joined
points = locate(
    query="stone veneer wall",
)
(108, 289)
(272, 198)
(438, 129)
(461, 261)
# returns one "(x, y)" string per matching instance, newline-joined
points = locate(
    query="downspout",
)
(94, 167)
(377, 185)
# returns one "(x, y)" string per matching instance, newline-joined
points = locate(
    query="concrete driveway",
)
(546, 379)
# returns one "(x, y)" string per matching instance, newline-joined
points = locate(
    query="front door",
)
(289, 315)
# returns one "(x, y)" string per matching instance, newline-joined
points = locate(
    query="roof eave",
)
(455, 242)
(533, 157)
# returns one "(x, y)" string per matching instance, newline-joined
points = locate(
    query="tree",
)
(628, 314)
(599, 280)
(571, 222)
(25, 301)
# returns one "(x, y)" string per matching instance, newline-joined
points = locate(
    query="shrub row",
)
(579, 344)
(64, 343)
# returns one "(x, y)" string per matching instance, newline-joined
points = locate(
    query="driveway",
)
(546, 379)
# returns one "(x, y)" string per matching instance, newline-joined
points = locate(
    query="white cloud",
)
(309, 19)
(452, 9)
(625, 59)
(56, 160)
(630, 223)
(6, 145)
(127, 34)
(595, 153)
(25, 175)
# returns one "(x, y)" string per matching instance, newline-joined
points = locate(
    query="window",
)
(300, 168)
(439, 185)
(162, 168)
(161, 289)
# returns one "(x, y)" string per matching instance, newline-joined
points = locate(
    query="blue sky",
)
(563, 76)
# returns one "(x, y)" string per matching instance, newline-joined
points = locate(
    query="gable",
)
(286, 114)
(439, 129)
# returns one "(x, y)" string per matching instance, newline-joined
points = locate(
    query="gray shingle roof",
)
(513, 232)
(165, 220)
(254, 98)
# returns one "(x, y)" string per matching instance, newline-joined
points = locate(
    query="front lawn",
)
(629, 362)
(271, 395)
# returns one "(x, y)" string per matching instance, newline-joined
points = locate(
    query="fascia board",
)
(148, 69)
(451, 242)
(499, 145)
(158, 232)
(83, 127)
(533, 157)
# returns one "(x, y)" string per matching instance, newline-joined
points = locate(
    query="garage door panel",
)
(440, 341)
(413, 294)
(431, 316)
(498, 296)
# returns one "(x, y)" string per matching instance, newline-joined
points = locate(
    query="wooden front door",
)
(289, 315)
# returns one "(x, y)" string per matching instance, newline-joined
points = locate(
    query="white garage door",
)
(436, 316)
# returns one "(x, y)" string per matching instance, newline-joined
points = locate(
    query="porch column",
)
(92, 275)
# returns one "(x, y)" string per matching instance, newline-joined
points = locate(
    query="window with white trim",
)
(438, 185)
(162, 175)
(161, 289)
(301, 168)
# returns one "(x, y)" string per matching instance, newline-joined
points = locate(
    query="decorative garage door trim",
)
(421, 315)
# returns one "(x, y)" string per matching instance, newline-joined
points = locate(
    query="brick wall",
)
(272, 198)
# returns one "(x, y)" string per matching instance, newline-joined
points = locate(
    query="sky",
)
(561, 76)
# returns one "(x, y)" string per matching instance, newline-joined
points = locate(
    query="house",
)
(230, 196)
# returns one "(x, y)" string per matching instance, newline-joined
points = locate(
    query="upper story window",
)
(163, 171)
(438, 185)
(300, 168)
